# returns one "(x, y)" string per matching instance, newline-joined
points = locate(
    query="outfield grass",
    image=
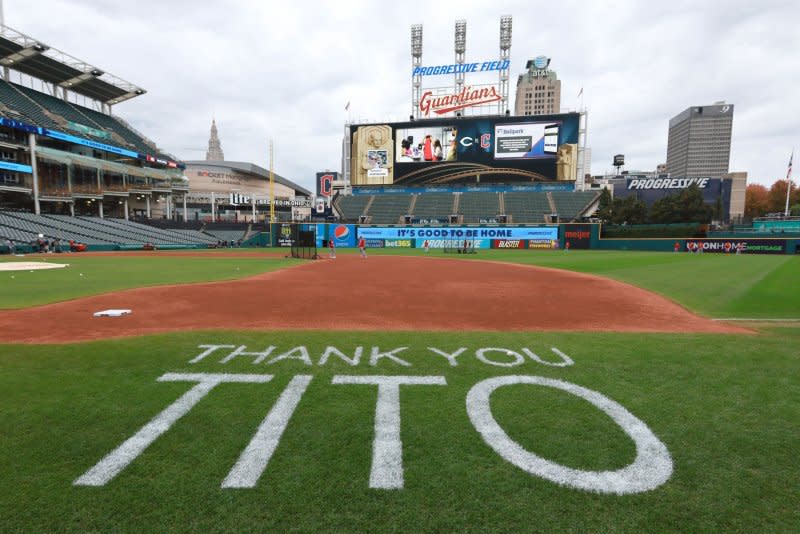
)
(726, 407)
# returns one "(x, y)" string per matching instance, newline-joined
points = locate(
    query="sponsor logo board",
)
(396, 243)
(542, 243)
(509, 243)
(454, 243)
(744, 246)
(578, 235)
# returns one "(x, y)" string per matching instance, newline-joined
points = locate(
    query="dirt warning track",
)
(379, 293)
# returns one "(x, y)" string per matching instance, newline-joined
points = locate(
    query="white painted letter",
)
(209, 350)
(255, 457)
(377, 355)
(566, 360)
(450, 357)
(651, 468)
(333, 351)
(118, 459)
(302, 355)
(260, 356)
(518, 359)
(387, 449)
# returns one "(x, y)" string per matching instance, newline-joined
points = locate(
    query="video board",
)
(492, 149)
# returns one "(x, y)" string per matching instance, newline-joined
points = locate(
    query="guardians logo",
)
(464, 99)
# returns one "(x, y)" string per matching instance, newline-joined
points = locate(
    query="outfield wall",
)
(579, 236)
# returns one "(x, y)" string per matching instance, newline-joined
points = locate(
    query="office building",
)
(538, 89)
(699, 142)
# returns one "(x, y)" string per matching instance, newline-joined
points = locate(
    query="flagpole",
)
(788, 184)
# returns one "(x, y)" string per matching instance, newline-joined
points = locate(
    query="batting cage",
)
(460, 246)
(304, 241)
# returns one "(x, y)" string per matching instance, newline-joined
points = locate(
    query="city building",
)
(214, 152)
(538, 89)
(699, 142)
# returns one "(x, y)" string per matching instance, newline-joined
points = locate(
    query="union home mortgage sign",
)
(651, 467)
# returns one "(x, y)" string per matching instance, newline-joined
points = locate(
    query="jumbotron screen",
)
(466, 150)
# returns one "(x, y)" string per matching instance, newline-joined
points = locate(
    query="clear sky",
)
(286, 70)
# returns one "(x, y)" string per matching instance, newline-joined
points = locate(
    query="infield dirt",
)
(380, 293)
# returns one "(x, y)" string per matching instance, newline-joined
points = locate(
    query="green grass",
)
(726, 407)
(715, 285)
(93, 275)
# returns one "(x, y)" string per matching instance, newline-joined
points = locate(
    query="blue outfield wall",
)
(578, 235)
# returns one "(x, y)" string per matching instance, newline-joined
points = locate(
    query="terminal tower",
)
(214, 152)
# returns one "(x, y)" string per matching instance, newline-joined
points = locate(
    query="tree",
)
(664, 210)
(684, 207)
(604, 206)
(631, 210)
(755, 201)
(776, 198)
(692, 207)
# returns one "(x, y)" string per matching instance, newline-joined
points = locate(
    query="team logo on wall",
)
(467, 97)
(325, 185)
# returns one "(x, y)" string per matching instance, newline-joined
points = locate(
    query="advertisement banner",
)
(578, 235)
(542, 244)
(284, 235)
(489, 188)
(343, 235)
(454, 243)
(374, 243)
(396, 243)
(509, 243)
(531, 140)
(460, 232)
(737, 246)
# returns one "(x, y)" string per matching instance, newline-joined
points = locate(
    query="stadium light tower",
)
(461, 48)
(416, 61)
(505, 55)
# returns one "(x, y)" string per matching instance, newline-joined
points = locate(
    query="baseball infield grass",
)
(94, 275)
(726, 408)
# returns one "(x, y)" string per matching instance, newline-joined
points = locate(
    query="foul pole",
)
(788, 184)
(271, 186)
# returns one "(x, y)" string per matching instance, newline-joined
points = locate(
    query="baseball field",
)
(532, 391)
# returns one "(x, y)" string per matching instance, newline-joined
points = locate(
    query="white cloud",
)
(286, 70)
